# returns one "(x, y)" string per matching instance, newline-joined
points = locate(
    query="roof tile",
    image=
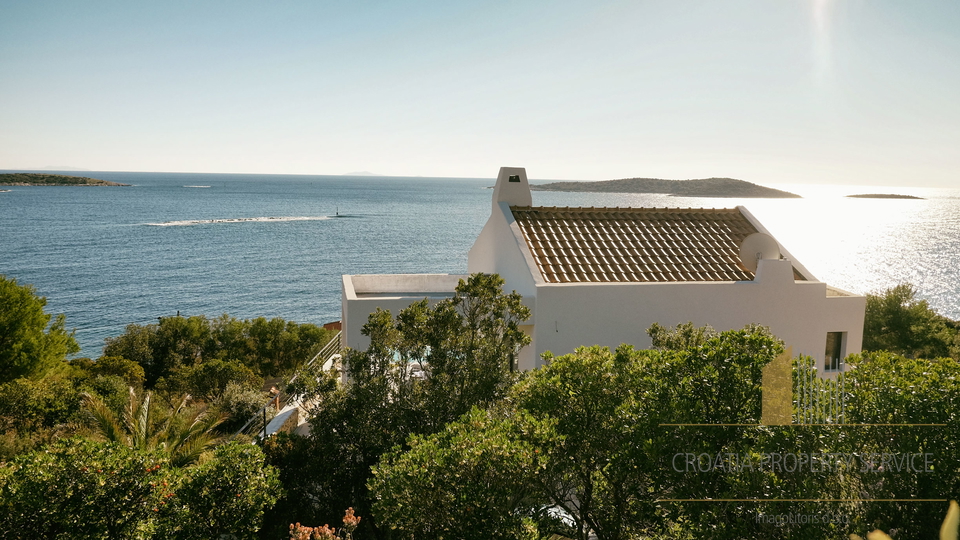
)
(635, 244)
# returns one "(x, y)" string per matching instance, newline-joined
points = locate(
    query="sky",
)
(768, 91)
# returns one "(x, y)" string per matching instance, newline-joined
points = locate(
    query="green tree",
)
(590, 473)
(281, 346)
(135, 345)
(898, 322)
(591, 433)
(209, 379)
(130, 371)
(720, 380)
(616, 421)
(310, 482)
(682, 336)
(914, 405)
(423, 369)
(224, 497)
(30, 344)
(267, 347)
(178, 342)
(230, 338)
(473, 480)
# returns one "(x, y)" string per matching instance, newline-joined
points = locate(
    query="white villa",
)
(604, 275)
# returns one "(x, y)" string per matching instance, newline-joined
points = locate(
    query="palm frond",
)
(103, 419)
(184, 434)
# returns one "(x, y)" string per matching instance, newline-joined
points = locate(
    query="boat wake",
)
(197, 186)
(188, 222)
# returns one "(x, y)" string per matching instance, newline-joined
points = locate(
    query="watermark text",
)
(803, 519)
(866, 462)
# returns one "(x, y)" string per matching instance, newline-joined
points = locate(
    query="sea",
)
(252, 245)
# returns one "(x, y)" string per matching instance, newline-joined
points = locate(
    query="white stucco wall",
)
(800, 313)
(500, 247)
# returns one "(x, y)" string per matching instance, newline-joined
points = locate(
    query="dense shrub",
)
(82, 489)
(90, 490)
(29, 405)
(898, 322)
(224, 496)
(128, 370)
(462, 348)
(266, 347)
(238, 404)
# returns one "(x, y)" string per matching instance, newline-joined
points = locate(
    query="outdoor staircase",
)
(290, 408)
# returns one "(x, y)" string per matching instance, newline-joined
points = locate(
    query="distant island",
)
(707, 187)
(39, 179)
(883, 196)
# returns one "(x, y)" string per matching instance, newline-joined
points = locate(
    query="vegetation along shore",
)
(883, 196)
(40, 179)
(707, 187)
(433, 435)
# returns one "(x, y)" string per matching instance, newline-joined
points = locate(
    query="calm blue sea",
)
(276, 245)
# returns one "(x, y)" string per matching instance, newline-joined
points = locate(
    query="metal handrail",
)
(332, 348)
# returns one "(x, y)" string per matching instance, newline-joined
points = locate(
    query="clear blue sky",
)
(770, 91)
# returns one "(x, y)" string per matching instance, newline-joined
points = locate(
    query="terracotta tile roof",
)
(635, 244)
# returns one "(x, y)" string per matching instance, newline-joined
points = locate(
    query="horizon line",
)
(457, 177)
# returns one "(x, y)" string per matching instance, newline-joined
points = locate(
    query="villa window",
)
(833, 355)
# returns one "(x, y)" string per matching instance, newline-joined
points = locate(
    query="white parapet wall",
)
(363, 294)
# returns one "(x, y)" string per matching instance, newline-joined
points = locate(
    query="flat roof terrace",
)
(402, 285)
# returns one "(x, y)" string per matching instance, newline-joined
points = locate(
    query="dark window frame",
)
(833, 351)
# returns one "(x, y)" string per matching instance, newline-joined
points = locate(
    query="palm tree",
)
(183, 433)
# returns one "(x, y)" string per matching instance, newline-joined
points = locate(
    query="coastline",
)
(41, 179)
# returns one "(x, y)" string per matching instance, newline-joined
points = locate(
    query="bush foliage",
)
(266, 347)
(30, 344)
(424, 368)
(897, 321)
(601, 431)
(78, 488)
(433, 434)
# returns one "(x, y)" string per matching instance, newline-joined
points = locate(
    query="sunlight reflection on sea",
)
(859, 245)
